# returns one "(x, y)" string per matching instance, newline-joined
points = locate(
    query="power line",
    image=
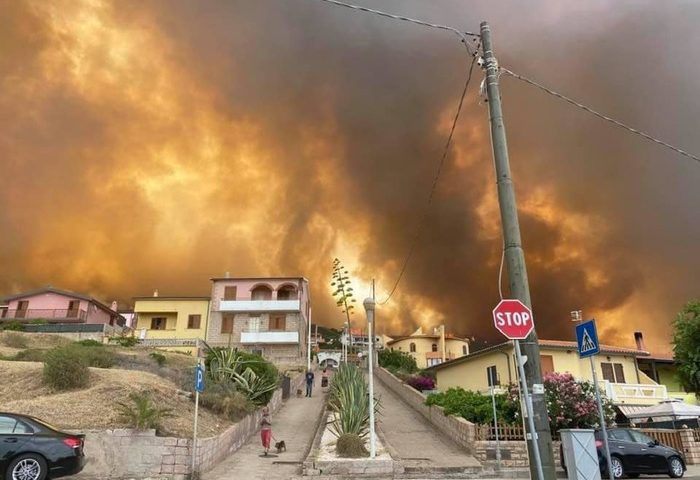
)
(446, 150)
(462, 35)
(600, 115)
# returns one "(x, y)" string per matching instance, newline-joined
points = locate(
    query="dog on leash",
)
(299, 393)
(281, 446)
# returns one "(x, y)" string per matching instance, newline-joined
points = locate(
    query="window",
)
(412, 347)
(254, 323)
(434, 361)
(278, 322)
(620, 435)
(230, 293)
(434, 347)
(464, 350)
(22, 307)
(9, 425)
(639, 437)
(73, 307)
(227, 324)
(613, 372)
(492, 376)
(158, 323)
(287, 292)
(194, 321)
(547, 362)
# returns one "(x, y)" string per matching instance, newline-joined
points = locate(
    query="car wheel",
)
(675, 467)
(617, 469)
(27, 467)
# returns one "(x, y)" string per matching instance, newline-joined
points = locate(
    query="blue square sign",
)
(199, 379)
(587, 339)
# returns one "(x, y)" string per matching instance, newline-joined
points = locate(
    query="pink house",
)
(57, 306)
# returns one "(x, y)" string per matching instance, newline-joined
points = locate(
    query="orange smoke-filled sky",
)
(156, 144)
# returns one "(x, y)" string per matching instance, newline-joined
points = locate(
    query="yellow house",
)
(616, 367)
(172, 323)
(429, 350)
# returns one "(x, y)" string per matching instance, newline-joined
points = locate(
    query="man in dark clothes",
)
(309, 382)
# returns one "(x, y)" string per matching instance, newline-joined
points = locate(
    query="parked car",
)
(31, 449)
(633, 453)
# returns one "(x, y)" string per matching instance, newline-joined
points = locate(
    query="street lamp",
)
(369, 308)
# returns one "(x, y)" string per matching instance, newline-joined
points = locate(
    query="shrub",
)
(64, 370)
(158, 357)
(351, 446)
(89, 343)
(421, 383)
(39, 321)
(397, 361)
(126, 342)
(15, 340)
(473, 406)
(31, 355)
(223, 398)
(253, 375)
(98, 357)
(141, 413)
(13, 326)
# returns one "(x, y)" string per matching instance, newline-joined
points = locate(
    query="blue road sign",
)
(587, 339)
(199, 378)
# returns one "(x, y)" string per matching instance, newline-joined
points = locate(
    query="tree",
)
(343, 292)
(686, 346)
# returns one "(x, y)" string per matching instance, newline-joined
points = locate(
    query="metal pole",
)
(194, 436)
(515, 257)
(602, 419)
(308, 354)
(528, 407)
(495, 426)
(369, 308)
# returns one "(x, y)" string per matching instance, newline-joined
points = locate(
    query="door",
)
(13, 435)
(652, 455)
(622, 444)
(73, 308)
(547, 362)
(22, 307)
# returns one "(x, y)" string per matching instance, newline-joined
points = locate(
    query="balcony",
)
(259, 305)
(50, 315)
(269, 337)
(635, 393)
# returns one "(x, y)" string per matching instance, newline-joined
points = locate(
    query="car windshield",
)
(639, 437)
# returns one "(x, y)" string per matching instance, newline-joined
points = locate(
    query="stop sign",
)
(513, 319)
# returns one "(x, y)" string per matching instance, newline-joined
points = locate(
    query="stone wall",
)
(691, 446)
(123, 453)
(513, 453)
(456, 428)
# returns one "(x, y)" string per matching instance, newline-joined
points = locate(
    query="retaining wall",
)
(513, 453)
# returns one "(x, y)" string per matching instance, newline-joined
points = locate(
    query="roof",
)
(214, 279)
(407, 337)
(67, 293)
(185, 299)
(551, 344)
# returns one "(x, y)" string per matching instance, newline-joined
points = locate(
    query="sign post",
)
(198, 388)
(514, 320)
(588, 346)
(493, 380)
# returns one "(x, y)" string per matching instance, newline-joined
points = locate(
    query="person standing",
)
(266, 429)
(309, 382)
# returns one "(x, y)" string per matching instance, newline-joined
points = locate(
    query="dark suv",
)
(633, 453)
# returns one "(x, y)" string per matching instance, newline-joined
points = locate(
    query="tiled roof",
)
(447, 337)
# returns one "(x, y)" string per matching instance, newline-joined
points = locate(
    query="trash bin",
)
(580, 454)
(286, 386)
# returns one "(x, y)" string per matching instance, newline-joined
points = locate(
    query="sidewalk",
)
(295, 423)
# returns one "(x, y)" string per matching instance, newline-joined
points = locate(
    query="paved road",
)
(295, 423)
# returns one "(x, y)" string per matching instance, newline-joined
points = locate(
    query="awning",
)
(626, 410)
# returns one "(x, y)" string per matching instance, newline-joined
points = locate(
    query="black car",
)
(30, 449)
(632, 453)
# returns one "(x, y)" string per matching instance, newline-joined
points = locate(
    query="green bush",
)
(64, 370)
(252, 374)
(126, 342)
(15, 340)
(89, 343)
(159, 358)
(351, 446)
(474, 406)
(39, 321)
(396, 361)
(223, 399)
(13, 326)
(31, 355)
(141, 413)
(98, 357)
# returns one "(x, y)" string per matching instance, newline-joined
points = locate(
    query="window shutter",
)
(608, 372)
(230, 293)
(619, 373)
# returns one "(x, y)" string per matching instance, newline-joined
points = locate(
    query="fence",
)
(669, 437)
(696, 434)
(505, 432)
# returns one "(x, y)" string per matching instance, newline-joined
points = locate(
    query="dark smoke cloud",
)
(153, 145)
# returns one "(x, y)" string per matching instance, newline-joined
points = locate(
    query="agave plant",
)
(255, 387)
(349, 401)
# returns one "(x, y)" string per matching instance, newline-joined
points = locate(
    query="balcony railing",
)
(259, 305)
(63, 315)
(269, 337)
(635, 393)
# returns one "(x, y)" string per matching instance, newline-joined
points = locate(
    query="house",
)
(172, 323)
(57, 306)
(617, 368)
(662, 370)
(430, 349)
(269, 316)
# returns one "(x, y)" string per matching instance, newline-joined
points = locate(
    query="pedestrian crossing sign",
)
(587, 339)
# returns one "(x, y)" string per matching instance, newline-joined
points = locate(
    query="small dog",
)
(299, 393)
(280, 446)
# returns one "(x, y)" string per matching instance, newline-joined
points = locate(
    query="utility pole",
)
(515, 261)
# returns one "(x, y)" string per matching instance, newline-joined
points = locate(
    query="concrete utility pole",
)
(515, 258)
(369, 308)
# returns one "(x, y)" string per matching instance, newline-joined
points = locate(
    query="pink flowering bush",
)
(570, 404)
(421, 383)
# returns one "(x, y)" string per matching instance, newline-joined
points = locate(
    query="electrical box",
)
(580, 454)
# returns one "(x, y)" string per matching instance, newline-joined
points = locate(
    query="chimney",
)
(639, 339)
(155, 292)
(227, 275)
(114, 306)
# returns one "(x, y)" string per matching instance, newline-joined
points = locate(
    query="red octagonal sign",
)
(513, 319)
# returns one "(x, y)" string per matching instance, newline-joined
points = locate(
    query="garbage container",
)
(286, 386)
(580, 454)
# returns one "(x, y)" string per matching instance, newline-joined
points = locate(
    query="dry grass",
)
(95, 406)
(37, 340)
